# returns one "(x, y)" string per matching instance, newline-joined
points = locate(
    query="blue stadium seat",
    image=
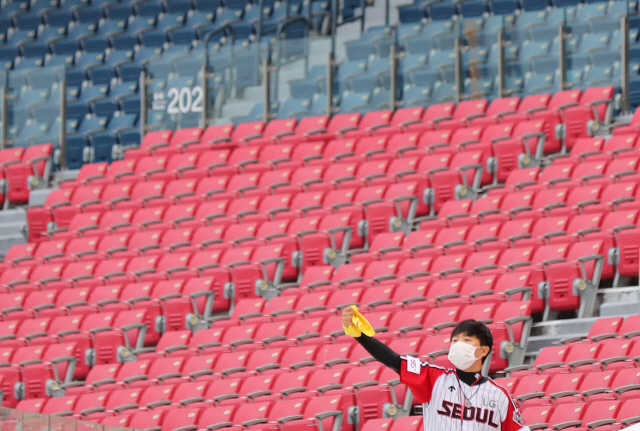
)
(477, 8)
(442, 11)
(348, 70)
(294, 108)
(14, 8)
(118, 57)
(72, 93)
(59, 17)
(131, 105)
(443, 92)
(150, 8)
(105, 107)
(354, 102)
(171, 21)
(311, 85)
(82, 31)
(90, 125)
(120, 123)
(535, 5)
(155, 38)
(442, 59)
(41, 7)
(60, 60)
(598, 75)
(573, 78)
(90, 15)
(420, 44)
(425, 77)
(110, 27)
(590, 11)
(30, 98)
(7, 55)
(35, 49)
(44, 77)
(27, 21)
(31, 131)
(73, 5)
(52, 34)
(183, 36)
(77, 110)
(200, 18)
(228, 16)
(412, 62)
(140, 24)
(65, 47)
(5, 25)
(75, 151)
(21, 37)
(380, 100)
(408, 31)
(28, 63)
(539, 83)
(95, 44)
(102, 144)
(415, 96)
(119, 11)
(411, 14)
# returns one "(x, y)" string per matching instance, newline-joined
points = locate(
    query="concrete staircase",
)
(13, 225)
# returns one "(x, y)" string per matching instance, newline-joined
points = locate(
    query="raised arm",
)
(377, 349)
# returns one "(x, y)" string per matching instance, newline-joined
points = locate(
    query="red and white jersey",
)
(449, 404)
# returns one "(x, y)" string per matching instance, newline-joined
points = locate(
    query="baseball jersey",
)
(449, 404)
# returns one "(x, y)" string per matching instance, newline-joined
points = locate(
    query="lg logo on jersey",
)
(492, 404)
(477, 414)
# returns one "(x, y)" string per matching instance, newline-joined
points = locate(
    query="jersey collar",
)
(470, 378)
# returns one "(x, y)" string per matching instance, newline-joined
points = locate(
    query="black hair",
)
(473, 328)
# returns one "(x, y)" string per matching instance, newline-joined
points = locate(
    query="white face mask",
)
(462, 355)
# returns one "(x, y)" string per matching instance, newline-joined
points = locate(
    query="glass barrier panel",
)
(175, 95)
(58, 423)
(116, 428)
(10, 420)
(33, 107)
(89, 426)
(34, 422)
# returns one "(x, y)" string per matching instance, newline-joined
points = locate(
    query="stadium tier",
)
(206, 189)
(99, 48)
(198, 281)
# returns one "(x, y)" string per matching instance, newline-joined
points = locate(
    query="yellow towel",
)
(358, 325)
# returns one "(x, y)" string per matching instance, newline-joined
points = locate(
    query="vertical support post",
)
(334, 25)
(259, 26)
(205, 93)
(386, 12)
(5, 117)
(501, 65)
(393, 59)
(625, 103)
(562, 56)
(458, 69)
(143, 103)
(62, 162)
(266, 80)
(330, 85)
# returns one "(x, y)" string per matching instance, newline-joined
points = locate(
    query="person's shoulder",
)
(500, 388)
(412, 360)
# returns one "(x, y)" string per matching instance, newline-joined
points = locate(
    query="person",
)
(452, 400)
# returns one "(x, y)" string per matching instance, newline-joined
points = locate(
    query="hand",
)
(347, 316)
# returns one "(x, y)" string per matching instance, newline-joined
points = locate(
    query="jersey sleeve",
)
(513, 420)
(419, 377)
